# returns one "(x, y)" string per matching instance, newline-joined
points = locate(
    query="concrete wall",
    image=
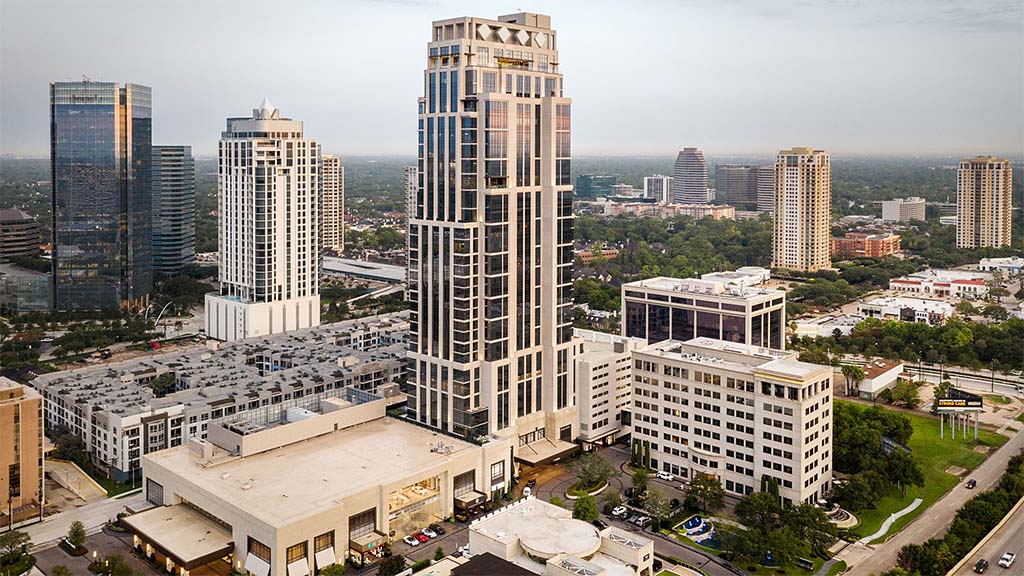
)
(231, 320)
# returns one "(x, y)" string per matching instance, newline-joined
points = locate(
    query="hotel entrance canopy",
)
(180, 533)
(544, 450)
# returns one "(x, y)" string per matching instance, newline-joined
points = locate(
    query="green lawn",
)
(935, 455)
(997, 398)
(1020, 417)
(837, 568)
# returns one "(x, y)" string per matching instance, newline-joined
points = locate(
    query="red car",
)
(421, 536)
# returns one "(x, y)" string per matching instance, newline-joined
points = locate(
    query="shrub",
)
(422, 564)
(439, 553)
(333, 570)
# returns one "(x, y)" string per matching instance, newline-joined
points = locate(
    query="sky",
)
(647, 77)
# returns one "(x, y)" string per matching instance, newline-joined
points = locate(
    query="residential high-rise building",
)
(174, 208)
(21, 452)
(101, 157)
(658, 187)
(490, 263)
(412, 183)
(269, 238)
(332, 182)
(984, 195)
(739, 186)
(803, 198)
(903, 209)
(19, 234)
(766, 188)
(690, 178)
(739, 413)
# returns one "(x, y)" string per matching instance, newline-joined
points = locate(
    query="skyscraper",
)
(803, 197)
(412, 179)
(739, 186)
(658, 187)
(690, 178)
(984, 194)
(332, 181)
(100, 157)
(269, 237)
(490, 264)
(174, 208)
(766, 188)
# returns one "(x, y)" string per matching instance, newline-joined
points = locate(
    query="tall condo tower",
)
(100, 158)
(174, 208)
(766, 188)
(412, 184)
(268, 185)
(690, 177)
(984, 197)
(803, 198)
(659, 188)
(332, 181)
(490, 263)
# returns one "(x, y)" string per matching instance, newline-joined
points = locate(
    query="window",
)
(296, 552)
(259, 549)
(498, 472)
(323, 541)
(362, 523)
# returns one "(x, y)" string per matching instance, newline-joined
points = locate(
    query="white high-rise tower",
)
(269, 228)
(490, 263)
(690, 177)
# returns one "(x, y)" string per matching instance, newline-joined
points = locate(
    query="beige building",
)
(984, 193)
(903, 209)
(803, 197)
(737, 412)
(291, 491)
(21, 453)
(604, 377)
(332, 180)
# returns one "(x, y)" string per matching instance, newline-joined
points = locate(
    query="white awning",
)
(299, 568)
(256, 565)
(325, 557)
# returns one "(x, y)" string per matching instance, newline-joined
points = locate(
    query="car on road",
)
(437, 528)
(980, 566)
(1007, 560)
(429, 533)
(420, 536)
(411, 540)
(971, 484)
(600, 524)
(665, 476)
(619, 511)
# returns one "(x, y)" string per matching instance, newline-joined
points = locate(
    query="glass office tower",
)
(100, 154)
(174, 208)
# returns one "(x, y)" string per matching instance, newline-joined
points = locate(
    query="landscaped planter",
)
(569, 495)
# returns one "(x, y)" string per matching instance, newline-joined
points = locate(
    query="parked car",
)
(464, 551)
(674, 503)
(438, 529)
(971, 484)
(619, 511)
(633, 518)
(635, 503)
(411, 540)
(643, 521)
(980, 566)
(429, 533)
(421, 536)
(666, 476)
(600, 524)
(531, 483)
(527, 491)
(1007, 560)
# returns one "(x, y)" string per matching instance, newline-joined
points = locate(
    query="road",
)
(1010, 538)
(48, 532)
(976, 380)
(865, 560)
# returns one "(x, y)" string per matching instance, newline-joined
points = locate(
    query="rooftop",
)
(363, 269)
(190, 536)
(921, 304)
(879, 366)
(544, 530)
(694, 286)
(14, 215)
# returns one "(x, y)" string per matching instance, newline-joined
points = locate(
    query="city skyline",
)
(878, 101)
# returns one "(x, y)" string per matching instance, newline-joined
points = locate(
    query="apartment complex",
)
(174, 208)
(118, 414)
(604, 381)
(658, 188)
(663, 308)
(984, 195)
(907, 309)
(332, 183)
(354, 479)
(739, 413)
(490, 259)
(745, 187)
(101, 159)
(690, 177)
(412, 179)
(269, 228)
(803, 198)
(903, 209)
(859, 245)
(21, 453)
(20, 234)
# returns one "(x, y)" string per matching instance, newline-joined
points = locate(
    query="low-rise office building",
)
(292, 491)
(904, 209)
(879, 375)
(119, 416)
(907, 309)
(935, 282)
(604, 375)
(739, 413)
(23, 290)
(1009, 265)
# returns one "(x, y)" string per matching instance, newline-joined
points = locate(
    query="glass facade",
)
(686, 318)
(174, 208)
(100, 153)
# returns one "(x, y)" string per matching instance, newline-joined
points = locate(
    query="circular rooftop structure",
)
(545, 537)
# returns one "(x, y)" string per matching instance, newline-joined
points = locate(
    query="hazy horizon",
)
(738, 77)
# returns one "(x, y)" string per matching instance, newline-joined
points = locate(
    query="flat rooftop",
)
(185, 533)
(544, 530)
(734, 356)
(364, 269)
(289, 483)
(697, 287)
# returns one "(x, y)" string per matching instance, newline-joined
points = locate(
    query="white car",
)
(464, 551)
(429, 533)
(411, 540)
(666, 476)
(1007, 560)
(619, 511)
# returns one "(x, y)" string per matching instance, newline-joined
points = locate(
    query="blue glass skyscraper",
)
(100, 154)
(174, 208)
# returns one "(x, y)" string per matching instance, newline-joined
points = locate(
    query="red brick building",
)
(857, 245)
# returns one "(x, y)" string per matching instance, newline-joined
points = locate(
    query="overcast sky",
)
(646, 77)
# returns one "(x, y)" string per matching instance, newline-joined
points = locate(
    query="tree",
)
(639, 479)
(611, 500)
(760, 511)
(391, 565)
(76, 534)
(707, 489)
(647, 455)
(657, 504)
(556, 500)
(854, 375)
(902, 469)
(810, 524)
(905, 393)
(966, 309)
(439, 553)
(592, 471)
(585, 508)
(12, 541)
(67, 446)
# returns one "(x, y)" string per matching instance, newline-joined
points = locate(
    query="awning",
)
(544, 450)
(256, 565)
(325, 557)
(470, 499)
(182, 534)
(299, 568)
(366, 542)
